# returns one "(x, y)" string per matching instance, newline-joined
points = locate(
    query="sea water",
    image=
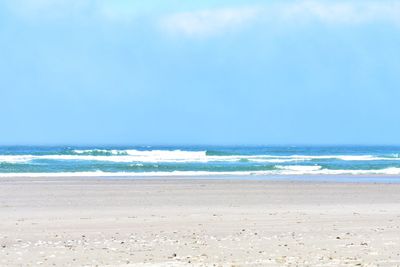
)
(198, 160)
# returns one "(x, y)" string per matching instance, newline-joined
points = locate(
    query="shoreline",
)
(342, 178)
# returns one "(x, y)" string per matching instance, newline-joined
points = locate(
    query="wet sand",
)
(187, 222)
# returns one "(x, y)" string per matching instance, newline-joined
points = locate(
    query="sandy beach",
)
(188, 222)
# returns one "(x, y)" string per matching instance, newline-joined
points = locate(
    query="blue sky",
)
(199, 72)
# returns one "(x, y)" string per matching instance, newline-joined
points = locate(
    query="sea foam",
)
(198, 162)
(154, 156)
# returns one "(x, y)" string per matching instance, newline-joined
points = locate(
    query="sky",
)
(170, 72)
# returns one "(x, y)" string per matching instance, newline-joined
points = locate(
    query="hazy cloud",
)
(348, 12)
(210, 22)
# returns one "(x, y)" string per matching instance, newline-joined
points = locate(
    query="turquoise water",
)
(199, 160)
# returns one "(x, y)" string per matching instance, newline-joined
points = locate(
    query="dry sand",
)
(183, 222)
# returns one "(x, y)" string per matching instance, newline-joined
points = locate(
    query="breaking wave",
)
(198, 162)
(131, 155)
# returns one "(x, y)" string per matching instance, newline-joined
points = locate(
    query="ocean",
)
(198, 160)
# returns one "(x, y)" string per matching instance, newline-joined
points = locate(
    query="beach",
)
(86, 221)
(199, 133)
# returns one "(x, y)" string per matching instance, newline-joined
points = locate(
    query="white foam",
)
(180, 156)
(130, 156)
(15, 158)
(129, 174)
(87, 151)
(340, 157)
(300, 168)
(154, 156)
(317, 170)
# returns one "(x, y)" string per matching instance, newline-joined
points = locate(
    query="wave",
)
(182, 156)
(297, 168)
(210, 155)
(97, 152)
(218, 153)
(16, 158)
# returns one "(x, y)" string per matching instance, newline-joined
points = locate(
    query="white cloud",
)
(340, 12)
(208, 22)
(211, 22)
